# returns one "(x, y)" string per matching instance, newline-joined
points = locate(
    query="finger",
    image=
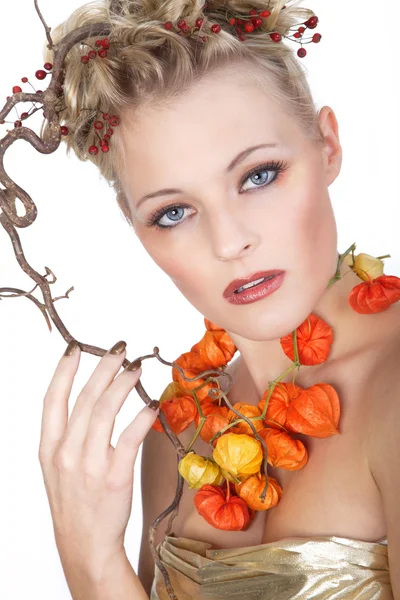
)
(125, 453)
(55, 402)
(101, 425)
(100, 380)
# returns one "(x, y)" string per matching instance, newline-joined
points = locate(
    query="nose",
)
(231, 236)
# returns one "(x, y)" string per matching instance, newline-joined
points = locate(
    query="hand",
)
(89, 483)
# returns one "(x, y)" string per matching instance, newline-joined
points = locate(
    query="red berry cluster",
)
(183, 27)
(247, 24)
(105, 126)
(102, 45)
(40, 74)
(243, 25)
(255, 20)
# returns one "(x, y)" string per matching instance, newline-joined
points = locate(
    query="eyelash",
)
(277, 166)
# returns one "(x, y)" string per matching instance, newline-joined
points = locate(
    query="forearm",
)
(115, 581)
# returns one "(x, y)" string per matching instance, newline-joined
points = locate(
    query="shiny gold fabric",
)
(319, 568)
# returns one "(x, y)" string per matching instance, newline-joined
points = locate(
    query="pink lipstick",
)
(254, 287)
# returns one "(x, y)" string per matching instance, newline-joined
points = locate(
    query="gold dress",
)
(326, 567)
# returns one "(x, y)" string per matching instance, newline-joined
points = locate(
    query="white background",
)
(119, 293)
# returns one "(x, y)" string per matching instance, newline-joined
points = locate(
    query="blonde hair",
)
(147, 63)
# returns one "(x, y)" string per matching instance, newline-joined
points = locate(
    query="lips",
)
(237, 283)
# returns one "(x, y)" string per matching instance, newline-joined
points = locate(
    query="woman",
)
(258, 202)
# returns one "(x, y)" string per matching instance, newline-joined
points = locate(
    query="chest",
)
(335, 493)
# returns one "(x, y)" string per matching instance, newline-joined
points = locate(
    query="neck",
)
(264, 361)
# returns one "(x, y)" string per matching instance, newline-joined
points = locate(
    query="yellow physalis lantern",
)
(198, 471)
(239, 454)
(364, 265)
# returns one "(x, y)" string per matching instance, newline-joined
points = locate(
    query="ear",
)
(332, 150)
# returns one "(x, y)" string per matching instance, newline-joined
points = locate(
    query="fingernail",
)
(154, 404)
(118, 348)
(72, 346)
(134, 365)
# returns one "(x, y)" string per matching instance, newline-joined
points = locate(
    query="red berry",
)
(316, 38)
(98, 43)
(39, 92)
(181, 23)
(105, 116)
(232, 21)
(85, 59)
(257, 22)
(301, 29)
(17, 124)
(301, 52)
(312, 22)
(93, 150)
(110, 131)
(92, 54)
(98, 125)
(114, 121)
(168, 25)
(24, 80)
(16, 89)
(40, 74)
(185, 29)
(248, 27)
(240, 21)
(2, 122)
(106, 137)
(253, 12)
(265, 14)
(48, 66)
(24, 115)
(105, 147)
(203, 38)
(199, 23)
(276, 37)
(105, 43)
(216, 28)
(64, 130)
(297, 35)
(102, 53)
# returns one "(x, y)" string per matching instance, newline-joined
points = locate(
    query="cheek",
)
(171, 258)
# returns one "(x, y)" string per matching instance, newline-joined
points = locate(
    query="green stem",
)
(386, 256)
(337, 275)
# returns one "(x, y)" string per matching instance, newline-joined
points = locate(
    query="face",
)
(236, 189)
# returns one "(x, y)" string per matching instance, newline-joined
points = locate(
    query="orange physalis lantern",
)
(248, 410)
(179, 412)
(216, 419)
(283, 451)
(239, 454)
(314, 340)
(251, 489)
(220, 510)
(278, 404)
(315, 412)
(192, 365)
(215, 348)
(375, 295)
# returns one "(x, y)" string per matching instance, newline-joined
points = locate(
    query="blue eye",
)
(168, 217)
(259, 176)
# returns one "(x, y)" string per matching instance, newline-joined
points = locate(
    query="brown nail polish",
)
(118, 348)
(71, 348)
(134, 365)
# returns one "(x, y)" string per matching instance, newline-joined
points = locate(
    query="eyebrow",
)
(238, 159)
